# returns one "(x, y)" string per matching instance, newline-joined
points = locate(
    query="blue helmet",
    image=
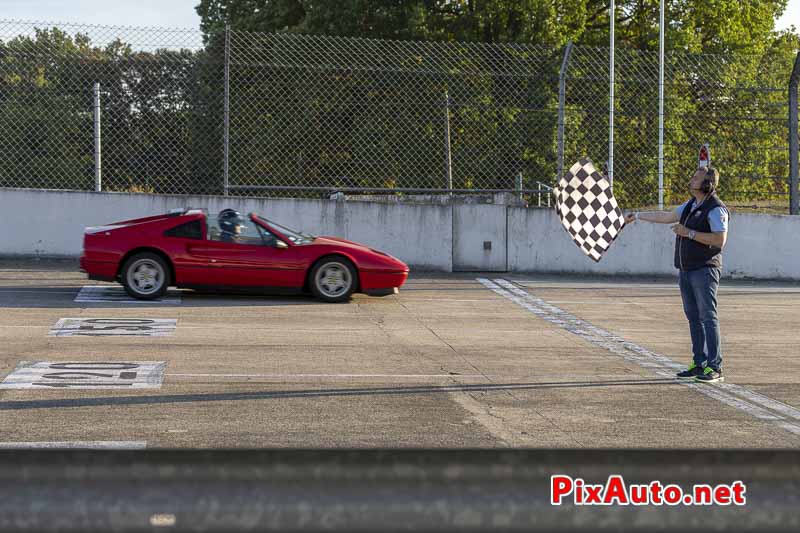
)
(229, 220)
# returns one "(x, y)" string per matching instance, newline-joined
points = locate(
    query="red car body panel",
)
(212, 263)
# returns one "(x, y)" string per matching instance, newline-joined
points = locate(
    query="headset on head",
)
(708, 186)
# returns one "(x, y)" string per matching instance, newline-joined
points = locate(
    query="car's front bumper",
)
(381, 280)
(382, 292)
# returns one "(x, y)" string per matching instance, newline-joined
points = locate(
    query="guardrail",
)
(379, 490)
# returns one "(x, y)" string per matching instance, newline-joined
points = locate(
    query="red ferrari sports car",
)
(188, 248)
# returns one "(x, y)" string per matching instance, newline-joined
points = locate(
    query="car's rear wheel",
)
(145, 276)
(333, 279)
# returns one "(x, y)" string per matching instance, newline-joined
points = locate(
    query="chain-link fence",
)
(737, 104)
(160, 102)
(358, 113)
(286, 114)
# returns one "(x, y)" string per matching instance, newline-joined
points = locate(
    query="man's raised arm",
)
(659, 217)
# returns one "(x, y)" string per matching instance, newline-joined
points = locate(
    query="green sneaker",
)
(692, 372)
(710, 376)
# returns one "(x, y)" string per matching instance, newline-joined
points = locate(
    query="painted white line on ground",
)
(112, 294)
(117, 375)
(33, 291)
(116, 327)
(763, 400)
(677, 303)
(281, 376)
(736, 396)
(559, 285)
(88, 445)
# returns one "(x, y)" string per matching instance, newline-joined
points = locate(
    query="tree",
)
(718, 26)
(160, 115)
(45, 112)
(502, 125)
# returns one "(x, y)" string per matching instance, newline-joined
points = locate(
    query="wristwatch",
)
(692, 234)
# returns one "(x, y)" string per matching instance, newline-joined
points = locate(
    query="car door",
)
(180, 243)
(252, 258)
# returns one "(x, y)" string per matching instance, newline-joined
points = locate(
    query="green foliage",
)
(735, 99)
(39, 97)
(160, 115)
(718, 26)
(335, 112)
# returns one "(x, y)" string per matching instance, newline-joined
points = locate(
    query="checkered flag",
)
(587, 209)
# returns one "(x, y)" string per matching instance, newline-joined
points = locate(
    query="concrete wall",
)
(759, 246)
(538, 243)
(473, 226)
(52, 222)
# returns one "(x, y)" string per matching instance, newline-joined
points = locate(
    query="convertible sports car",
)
(188, 248)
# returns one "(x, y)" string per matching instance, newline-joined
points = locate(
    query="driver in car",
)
(230, 224)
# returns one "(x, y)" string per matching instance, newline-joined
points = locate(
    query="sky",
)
(167, 13)
(790, 16)
(179, 14)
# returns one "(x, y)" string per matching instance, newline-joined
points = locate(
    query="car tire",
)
(333, 279)
(145, 276)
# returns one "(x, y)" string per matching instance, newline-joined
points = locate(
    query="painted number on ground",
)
(112, 294)
(86, 375)
(119, 327)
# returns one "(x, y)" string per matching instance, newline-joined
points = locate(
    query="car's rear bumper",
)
(99, 270)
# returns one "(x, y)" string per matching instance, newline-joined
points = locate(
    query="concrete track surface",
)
(477, 360)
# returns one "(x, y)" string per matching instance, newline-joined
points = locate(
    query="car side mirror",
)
(282, 245)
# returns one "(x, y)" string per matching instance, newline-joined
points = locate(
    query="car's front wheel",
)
(333, 279)
(145, 276)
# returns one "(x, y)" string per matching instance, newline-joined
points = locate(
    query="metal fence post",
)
(226, 113)
(448, 161)
(612, 14)
(98, 169)
(661, 107)
(562, 90)
(794, 208)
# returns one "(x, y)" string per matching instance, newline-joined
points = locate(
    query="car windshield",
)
(297, 237)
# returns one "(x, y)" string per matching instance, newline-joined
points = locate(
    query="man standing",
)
(701, 231)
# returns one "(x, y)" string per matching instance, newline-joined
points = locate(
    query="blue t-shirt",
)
(717, 217)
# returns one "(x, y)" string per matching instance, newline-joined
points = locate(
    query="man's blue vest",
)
(690, 254)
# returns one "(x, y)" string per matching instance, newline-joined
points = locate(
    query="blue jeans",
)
(699, 295)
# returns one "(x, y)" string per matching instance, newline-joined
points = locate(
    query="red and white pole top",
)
(704, 157)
